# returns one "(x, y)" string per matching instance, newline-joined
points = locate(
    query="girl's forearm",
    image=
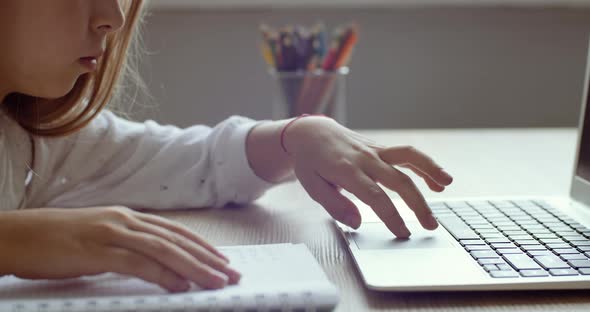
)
(265, 154)
(7, 240)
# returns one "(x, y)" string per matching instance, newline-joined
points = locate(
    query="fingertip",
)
(432, 224)
(403, 236)
(218, 280)
(223, 257)
(403, 232)
(447, 178)
(428, 223)
(437, 188)
(354, 221)
(179, 285)
(234, 276)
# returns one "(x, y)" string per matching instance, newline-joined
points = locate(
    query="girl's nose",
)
(107, 16)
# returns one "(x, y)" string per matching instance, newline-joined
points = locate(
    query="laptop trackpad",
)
(375, 235)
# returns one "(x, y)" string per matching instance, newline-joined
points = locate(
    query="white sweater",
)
(113, 161)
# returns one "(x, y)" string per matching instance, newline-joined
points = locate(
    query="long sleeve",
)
(113, 161)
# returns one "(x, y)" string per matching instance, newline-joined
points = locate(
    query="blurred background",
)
(417, 64)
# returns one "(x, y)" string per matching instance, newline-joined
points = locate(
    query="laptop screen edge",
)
(580, 187)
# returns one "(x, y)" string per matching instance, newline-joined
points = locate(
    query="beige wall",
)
(413, 68)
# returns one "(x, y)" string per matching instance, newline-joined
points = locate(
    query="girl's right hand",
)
(52, 243)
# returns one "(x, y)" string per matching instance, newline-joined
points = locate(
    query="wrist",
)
(287, 128)
(264, 152)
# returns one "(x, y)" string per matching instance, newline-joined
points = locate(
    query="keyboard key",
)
(470, 242)
(470, 216)
(522, 237)
(562, 272)
(491, 261)
(488, 236)
(538, 230)
(565, 251)
(552, 222)
(546, 236)
(561, 229)
(577, 256)
(521, 217)
(503, 274)
(478, 247)
(569, 220)
(579, 228)
(511, 228)
(505, 224)
(534, 248)
(536, 253)
(575, 237)
(490, 267)
(533, 273)
(517, 232)
(526, 242)
(509, 251)
(581, 243)
(558, 246)
(483, 254)
(526, 223)
(521, 262)
(551, 241)
(584, 271)
(498, 240)
(584, 248)
(484, 228)
(579, 263)
(476, 221)
(504, 267)
(503, 245)
(551, 262)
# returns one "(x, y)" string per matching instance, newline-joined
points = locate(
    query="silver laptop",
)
(492, 244)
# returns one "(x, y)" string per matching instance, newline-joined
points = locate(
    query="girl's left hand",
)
(328, 157)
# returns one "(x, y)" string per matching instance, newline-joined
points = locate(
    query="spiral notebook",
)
(275, 277)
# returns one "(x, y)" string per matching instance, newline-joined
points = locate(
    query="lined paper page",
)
(278, 275)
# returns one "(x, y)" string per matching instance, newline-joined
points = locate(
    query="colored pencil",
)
(302, 52)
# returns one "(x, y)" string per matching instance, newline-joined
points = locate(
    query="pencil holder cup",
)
(317, 92)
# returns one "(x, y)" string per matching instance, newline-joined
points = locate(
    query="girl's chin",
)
(57, 87)
(61, 90)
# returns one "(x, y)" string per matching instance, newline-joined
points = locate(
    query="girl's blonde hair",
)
(91, 92)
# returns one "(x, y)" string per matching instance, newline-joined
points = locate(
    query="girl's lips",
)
(89, 62)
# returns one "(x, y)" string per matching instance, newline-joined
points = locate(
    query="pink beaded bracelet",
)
(290, 123)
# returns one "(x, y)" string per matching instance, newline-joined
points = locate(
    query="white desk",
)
(483, 162)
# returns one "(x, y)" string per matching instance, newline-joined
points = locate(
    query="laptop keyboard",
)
(518, 238)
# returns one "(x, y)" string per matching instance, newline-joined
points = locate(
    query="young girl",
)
(61, 149)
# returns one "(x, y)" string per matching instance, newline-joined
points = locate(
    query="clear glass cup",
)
(317, 92)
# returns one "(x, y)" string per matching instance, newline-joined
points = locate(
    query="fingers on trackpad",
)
(375, 235)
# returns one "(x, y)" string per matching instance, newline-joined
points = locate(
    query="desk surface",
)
(508, 162)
